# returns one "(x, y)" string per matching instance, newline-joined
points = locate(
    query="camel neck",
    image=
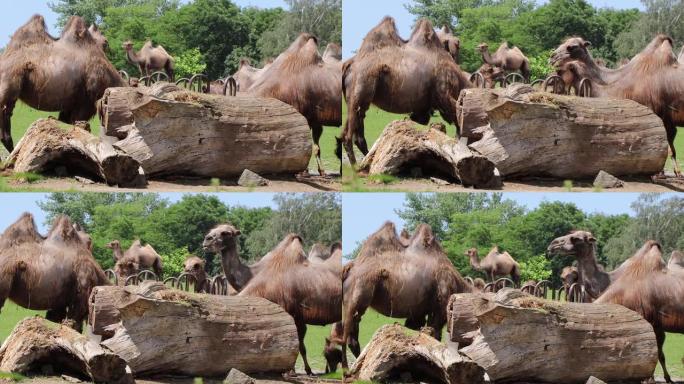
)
(487, 57)
(132, 56)
(118, 253)
(590, 275)
(237, 273)
(475, 262)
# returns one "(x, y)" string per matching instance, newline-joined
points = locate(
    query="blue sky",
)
(363, 214)
(19, 12)
(14, 204)
(360, 16)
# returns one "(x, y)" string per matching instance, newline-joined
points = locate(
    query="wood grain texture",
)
(524, 338)
(462, 324)
(176, 332)
(178, 132)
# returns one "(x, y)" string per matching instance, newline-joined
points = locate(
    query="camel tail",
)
(346, 71)
(515, 274)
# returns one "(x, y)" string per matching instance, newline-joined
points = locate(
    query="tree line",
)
(539, 29)
(205, 36)
(177, 229)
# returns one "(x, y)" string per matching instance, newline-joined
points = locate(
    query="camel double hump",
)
(301, 78)
(150, 59)
(653, 78)
(55, 273)
(66, 75)
(495, 264)
(413, 77)
(413, 282)
(137, 257)
(310, 292)
(451, 43)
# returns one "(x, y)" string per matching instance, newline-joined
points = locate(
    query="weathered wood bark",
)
(462, 324)
(46, 146)
(470, 111)
(177, 132)
(524, 338)
(567, 137)
(35, 342)
(162, 330)
(402, 147)
(397, 353)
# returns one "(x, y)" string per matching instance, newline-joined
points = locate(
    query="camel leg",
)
(671, 130)
(316, 132)
(157, 267)
(415, 322)
(356, 300)
(301, 332)
(10, 88)
(56, 315)
(5, 286)
(359, 102)
(660, 339)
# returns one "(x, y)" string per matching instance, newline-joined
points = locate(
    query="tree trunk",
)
(566, 137)
(178, 132)
(36, 342)
(402, 147)
(46, 146)
(396, 353)
(163, 330)
(462, 324)
(525, 338)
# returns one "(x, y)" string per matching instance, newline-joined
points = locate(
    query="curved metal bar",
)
(530, 289)
(585, 88)
(469, 280)
(230, 86)
(187, 278)
(145, 80)
(146, 274)
(131, 280)
(219, 285)
(505, 281)
(511, 77)
(489, 287)
(173, 280)
(157, 77)
(542, 288)
(556, 82)
(537, 82)
(577, 293)
(199, 78)
(183, 82)
(478, 79)
(125, 75)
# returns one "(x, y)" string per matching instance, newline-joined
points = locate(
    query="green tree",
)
(189, 63)
(94, 11)
(661, 16)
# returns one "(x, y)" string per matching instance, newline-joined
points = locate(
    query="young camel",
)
(649, 288)
(413, 282)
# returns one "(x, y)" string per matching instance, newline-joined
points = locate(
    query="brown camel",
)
(54, 273)
(491, 75)
(332, 54)
(194, 266)
(413, 282)
(451, 43)
(99, 37)
(85, 238)
(150, 59)
(332, 355)
(495, 264)
(676, 261)
(246, 75)
(649, 288)
(137, 257)
(67, 75)
(652, 78)
(330, 257)
(310, 293)
(301, 78)
(416, 76)
(569, 276)
(508, 59)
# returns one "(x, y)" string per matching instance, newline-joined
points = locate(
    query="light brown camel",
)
(246, 75)
(194, 266)
(137, 257)
(330, 257)
(85, 237)
(99, 37)
(301, 78)
(310, 293)
(451, 43)
(676, 261)
(569, 276)
(495, 264)
(54, 273)
(652, 78)
(150, 59)
(415, 77)
(413, 282)
(68, 75)
(649, 288)
(508, 59)
(332, 54)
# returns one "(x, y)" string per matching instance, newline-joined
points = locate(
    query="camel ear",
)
(237, 232)
(591, 239)
(587, 43)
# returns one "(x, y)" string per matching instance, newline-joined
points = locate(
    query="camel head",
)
(114, 244)
(220, 237)
(479, 284)
(125, 267)
(576, 243)
(472, 252)
(451, 43)
(574, 48)
(99, 38)
(127, 45)
(194, 266)
(483, 47)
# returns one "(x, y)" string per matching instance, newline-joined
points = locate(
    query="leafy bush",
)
(540, 67)
(535, 268)
(173, 262)
(189, 63)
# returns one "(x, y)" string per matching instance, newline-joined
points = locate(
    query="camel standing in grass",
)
(150, 59)
(415, 77)
(495, 264)
(54, 273)
(508, 59)
(649, 288)
(135, 258)
(413, 282)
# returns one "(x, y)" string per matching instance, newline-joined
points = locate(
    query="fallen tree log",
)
(528, 339)
(46, 147)
(396, 353)
(174, 132)
(159, 330)
(567, 137)
(402, 147)
(462, 324)
(36, 342)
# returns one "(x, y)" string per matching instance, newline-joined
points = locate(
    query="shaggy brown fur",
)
(413, 282)
(416, 76)
(54, 273)
(333, 356)
(246, 74)
(194, 266)
(491, 75)
(652, 78)
(450, 42)
(332, 54)
(495, 264)
(301, 78)
(99, 37)
(649, 288)
(310, 293)
(67, 75)
(150, 59)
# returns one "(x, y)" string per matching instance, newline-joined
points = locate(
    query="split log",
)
(462, 324)
(161, 330)
(46, 146)
(402, 147)
(397, 353)
(470, 110)
(36, 342)
(525, 338)
(174, 132)
(566, 137)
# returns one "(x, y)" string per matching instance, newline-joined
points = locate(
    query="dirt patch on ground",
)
(298, 379)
